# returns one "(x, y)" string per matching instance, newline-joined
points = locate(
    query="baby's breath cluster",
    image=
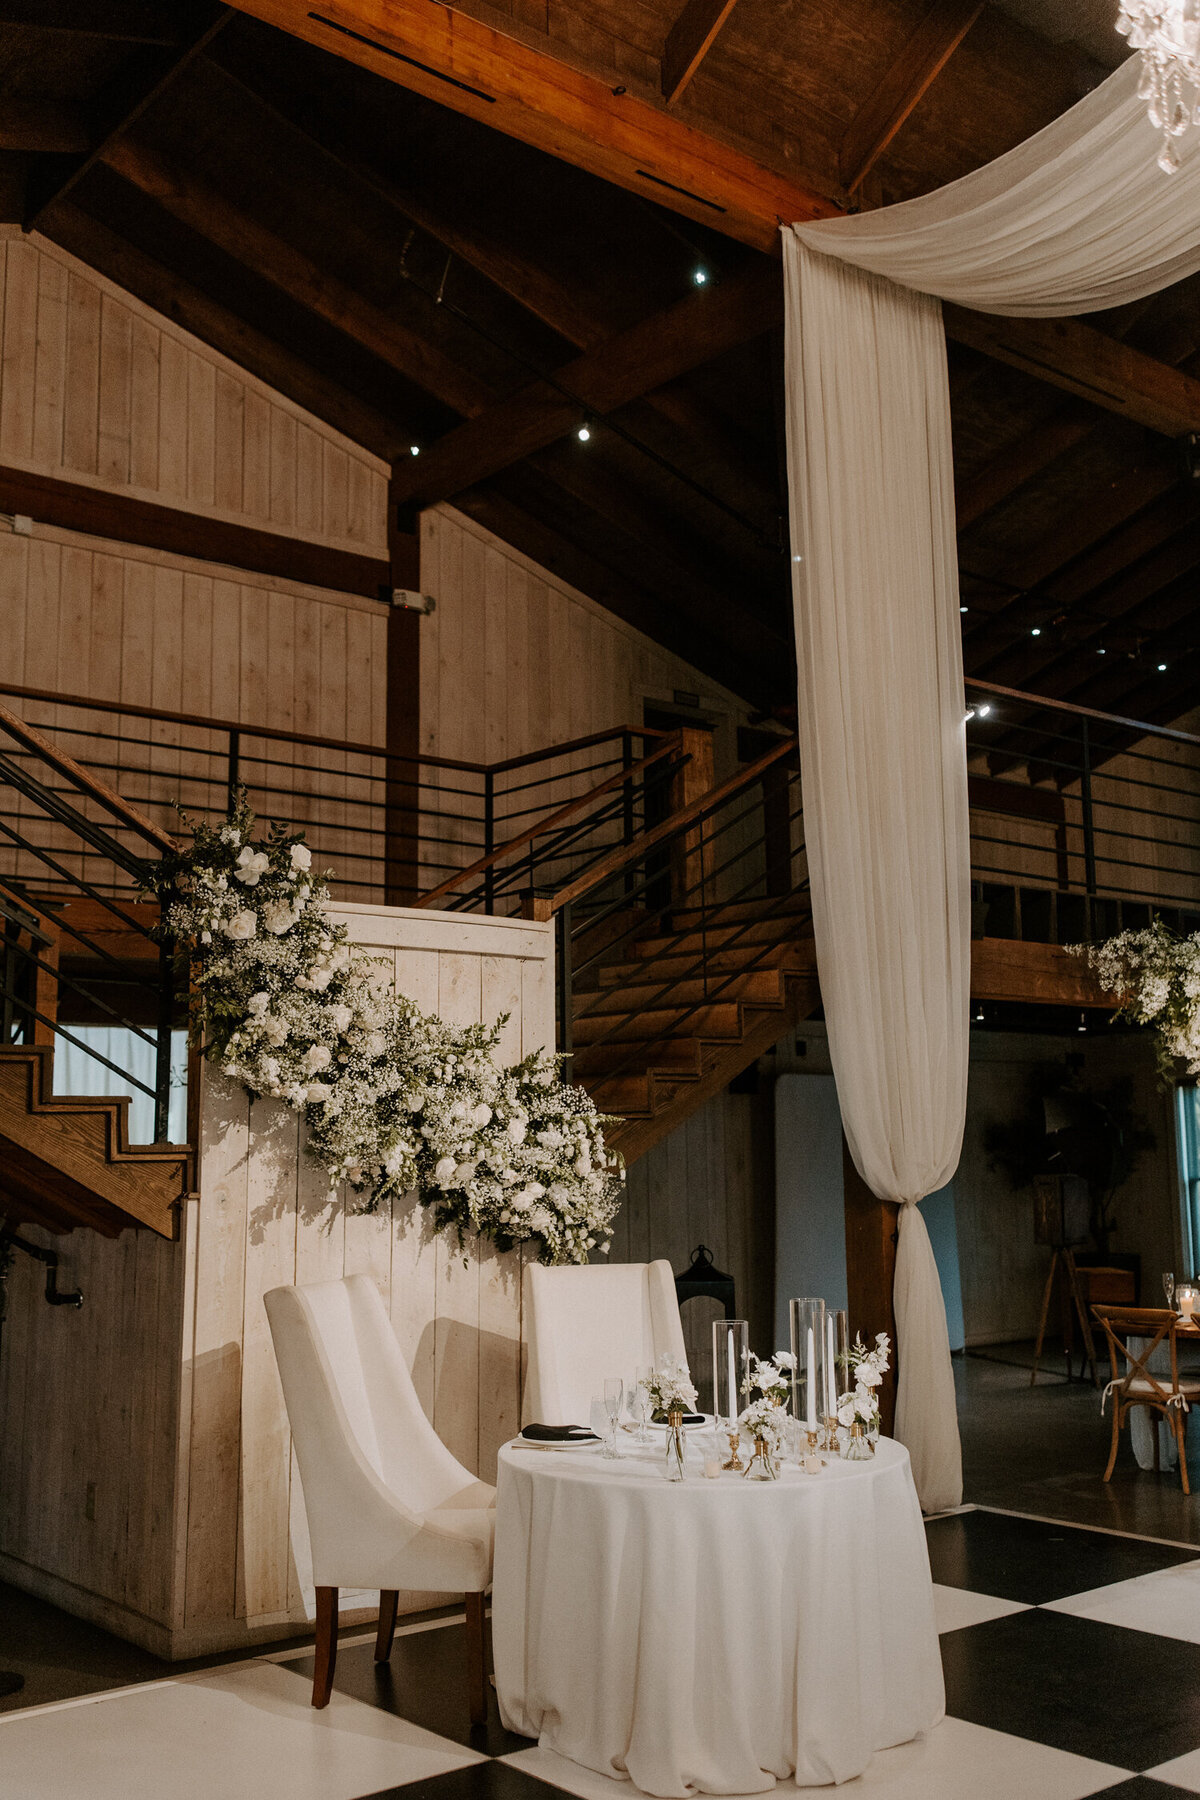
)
(393, 1100)
(1155, 976)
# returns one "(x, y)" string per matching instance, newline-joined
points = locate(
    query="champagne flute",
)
(614, 1394)
(641, 1400)
(1169, 1288)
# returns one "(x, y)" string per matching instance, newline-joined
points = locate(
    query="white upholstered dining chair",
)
(586, 1323)
(388, 1506)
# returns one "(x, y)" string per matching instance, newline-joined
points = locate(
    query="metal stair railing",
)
(41, 829)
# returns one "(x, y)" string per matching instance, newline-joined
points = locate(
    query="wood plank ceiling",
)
(472, 229)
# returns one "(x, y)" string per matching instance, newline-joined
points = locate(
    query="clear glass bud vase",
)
(674, 1469)
(763, 1466)
(859, 1447)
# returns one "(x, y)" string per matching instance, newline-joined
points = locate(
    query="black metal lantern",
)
(703, 1280)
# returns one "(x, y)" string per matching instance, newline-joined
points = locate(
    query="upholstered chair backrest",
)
(587, 1323)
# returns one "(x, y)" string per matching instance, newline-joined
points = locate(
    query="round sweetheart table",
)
(712, 1636)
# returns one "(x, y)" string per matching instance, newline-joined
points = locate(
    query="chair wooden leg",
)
(1116, 1439)
(389, 1599)
(327, 1619)
(476, 1660)
(1155, 1422)
(1181, 1439)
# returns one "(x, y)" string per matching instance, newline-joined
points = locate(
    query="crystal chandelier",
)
(1167, 32)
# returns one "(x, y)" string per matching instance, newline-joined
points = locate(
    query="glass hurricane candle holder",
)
(1187, 1300)
(731, 1367)
(807, 1323)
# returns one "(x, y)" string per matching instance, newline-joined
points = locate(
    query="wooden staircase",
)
(67, 1160)
(692, 1003)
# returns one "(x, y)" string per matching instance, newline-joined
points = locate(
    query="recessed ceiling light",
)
(1162, 668)
(700, 275)
(584, 433)
(1036, 632)
(414, 449)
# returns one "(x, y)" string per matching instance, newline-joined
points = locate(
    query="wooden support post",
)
(402, 795)
(691, 856)
(871, 1230)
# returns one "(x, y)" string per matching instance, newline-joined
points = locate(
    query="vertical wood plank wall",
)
(96, 388)
(157, 1406)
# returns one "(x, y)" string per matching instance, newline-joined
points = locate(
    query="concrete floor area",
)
(1042, 1450)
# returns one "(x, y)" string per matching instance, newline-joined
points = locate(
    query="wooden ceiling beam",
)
(635, 362)
(463, 64)
(1021, 462)
(1086, 362)
(274, 260)
(137, 85)
(243, 343)
(689, 41)
(43, 127)
(904, 85)
(120, 21)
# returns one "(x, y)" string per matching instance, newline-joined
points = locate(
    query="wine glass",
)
(641, 1401)
(1169, 1288)
(614, 1394)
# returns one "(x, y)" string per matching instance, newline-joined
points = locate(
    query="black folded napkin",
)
(560, 1434)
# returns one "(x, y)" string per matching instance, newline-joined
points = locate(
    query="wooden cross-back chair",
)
(1140, 1385)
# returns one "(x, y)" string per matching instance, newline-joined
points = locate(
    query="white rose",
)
(318, 1057)
(243, 925)
(516, 1132)
(551, 1139)
(257, 1005)
(316, 1092)
(375, 1046)
(482, 1115)
(276, 1030)
(341, 1016)
(251, 865)
(301, 856)
(278, 917)
(444, 1170)
(319, 980)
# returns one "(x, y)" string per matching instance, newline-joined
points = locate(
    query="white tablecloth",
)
(713, 1636)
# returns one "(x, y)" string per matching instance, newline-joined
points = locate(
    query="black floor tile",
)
(1029, 1560)
(425, 1682)
(1143, 1787)
(483, 1781)
(1077, 1685)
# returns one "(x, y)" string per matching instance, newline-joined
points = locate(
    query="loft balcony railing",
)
(1082, 822)
(77, 943)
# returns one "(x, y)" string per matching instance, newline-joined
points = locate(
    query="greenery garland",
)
(393, 1099)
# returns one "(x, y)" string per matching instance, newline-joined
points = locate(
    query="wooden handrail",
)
(277, 735)
(541, 908)
(85, 783)
(553, 819)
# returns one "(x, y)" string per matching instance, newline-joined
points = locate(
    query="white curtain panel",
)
(1077, 219)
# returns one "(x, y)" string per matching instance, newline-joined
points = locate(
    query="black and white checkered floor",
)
(1072, 1663)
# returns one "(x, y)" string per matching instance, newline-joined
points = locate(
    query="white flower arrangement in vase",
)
(860, 1404)
(765, 1420)
(393, 1100)
(670, 1388)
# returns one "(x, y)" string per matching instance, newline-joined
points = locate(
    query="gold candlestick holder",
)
(735, 1461)
(812, 1459)
(831, 1430)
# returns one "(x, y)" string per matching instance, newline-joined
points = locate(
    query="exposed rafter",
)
(135, 88)
(43, 127)
(120, 21)
(650, 354)
(905, 84)
(689, 41)
(285, 267)
(453, 59)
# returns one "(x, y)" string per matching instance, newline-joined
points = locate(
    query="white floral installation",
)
(1155, 976)
(393, 1099)
(765, 1420)
(670, 1385)
(860, 1404)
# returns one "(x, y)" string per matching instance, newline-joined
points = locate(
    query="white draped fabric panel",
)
(1078, 218)
(884, 772)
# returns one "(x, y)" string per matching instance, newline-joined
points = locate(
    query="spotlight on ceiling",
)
(700, 275)
(584, 433)
(977, 1015)
(979, 710)
(1036, 632)
(1162, 668)
(414, 449)
(962, 609)
(1102, 651)
(1082, 1025)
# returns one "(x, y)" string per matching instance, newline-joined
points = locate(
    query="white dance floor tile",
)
(956, 1608)
(1180, 1772)
(249, 1731)
(957, 1761)
(1166, 1602)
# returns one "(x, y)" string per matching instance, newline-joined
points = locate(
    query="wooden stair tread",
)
(79, 1149)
